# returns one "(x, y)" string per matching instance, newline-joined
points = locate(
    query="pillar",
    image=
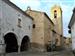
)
(19, 48)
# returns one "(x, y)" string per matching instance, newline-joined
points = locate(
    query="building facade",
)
(71, 27)
(42, 30)
(15, 28)
(56, 16)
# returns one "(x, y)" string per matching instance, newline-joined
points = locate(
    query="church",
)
(47, 31)
(29, 30)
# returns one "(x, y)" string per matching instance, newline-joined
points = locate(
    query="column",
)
(19, 48)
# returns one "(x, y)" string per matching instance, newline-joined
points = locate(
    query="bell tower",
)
(56, 16)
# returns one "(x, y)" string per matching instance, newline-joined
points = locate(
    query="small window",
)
(69, 31)
(19, 22)
(29, 27)
(55, 11)
(55, 14)
(33, 25)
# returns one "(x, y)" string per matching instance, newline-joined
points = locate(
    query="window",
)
(55, 11)
(33, 25)
(55, 14)
(29, 27)
(19, 22)
(69, 31)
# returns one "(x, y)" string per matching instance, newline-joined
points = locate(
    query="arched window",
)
(55, 14)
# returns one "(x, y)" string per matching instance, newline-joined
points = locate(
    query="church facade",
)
(42, 30)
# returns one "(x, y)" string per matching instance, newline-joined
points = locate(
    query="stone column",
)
(2, 48)
(19, 48)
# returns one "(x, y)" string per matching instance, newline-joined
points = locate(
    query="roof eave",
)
(16, 7)
(72, 20)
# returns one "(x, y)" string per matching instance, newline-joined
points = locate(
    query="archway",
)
(25, 43)
(11, 42)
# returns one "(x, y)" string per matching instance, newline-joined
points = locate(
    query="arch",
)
(25, 43)
(11, 42)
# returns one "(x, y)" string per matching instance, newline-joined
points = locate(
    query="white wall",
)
(73, 35)
(10, 22)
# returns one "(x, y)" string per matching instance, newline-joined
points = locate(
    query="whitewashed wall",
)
(73, 34)
(9, 21)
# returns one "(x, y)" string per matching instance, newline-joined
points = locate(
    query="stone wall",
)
(42, 31)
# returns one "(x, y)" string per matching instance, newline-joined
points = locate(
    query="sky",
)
(67, 7)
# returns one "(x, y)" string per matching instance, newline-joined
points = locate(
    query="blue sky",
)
(45, 6)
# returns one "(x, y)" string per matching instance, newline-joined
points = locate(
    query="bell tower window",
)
(55, 14)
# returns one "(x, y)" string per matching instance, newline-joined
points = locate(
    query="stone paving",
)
(60, 53)
(65, 52)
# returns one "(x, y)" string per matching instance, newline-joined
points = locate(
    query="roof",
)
(16, 7)
(72, 19)
(48, 18)
(44, 14)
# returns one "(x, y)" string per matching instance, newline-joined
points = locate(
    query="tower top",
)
(56, 7)
(56, 12)
(28, 8)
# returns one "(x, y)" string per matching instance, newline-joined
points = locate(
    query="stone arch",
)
(11, 42)
(25, 43)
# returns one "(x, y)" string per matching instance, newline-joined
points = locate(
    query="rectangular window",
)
(33, 25)
(55, 14)
(19, 22)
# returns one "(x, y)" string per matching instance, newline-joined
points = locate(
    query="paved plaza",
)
(29, 53)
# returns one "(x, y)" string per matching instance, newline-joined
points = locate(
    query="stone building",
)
(56, 16)
(15, 28)
(42, 30)
(67, 41)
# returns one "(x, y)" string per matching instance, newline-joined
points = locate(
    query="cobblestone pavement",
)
(65, 52)
(60, 53)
